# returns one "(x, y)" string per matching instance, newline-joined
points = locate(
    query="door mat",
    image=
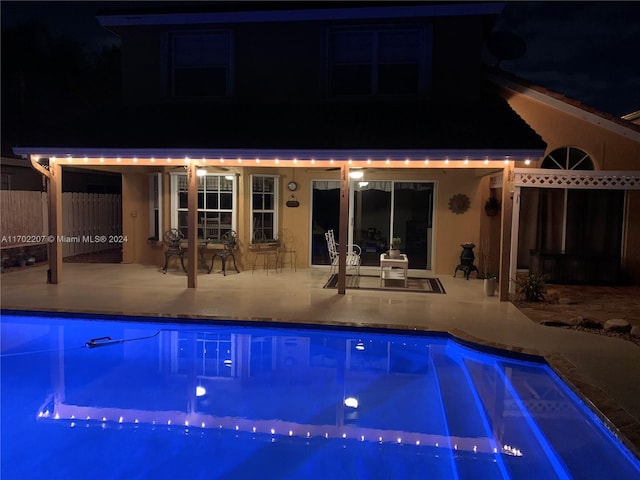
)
(372, 282)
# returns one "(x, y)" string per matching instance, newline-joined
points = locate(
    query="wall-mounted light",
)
(363, 184)
(201, 172)
(229, 177)
(356, 174)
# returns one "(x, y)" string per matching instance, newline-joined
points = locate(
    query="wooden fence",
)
(91, 222)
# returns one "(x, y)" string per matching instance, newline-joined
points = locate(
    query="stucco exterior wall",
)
(609, 150)
(450, 229)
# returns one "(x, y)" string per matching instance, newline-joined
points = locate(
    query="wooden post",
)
(505, 231)
(344, 229)
(54, 246)
(192, 225)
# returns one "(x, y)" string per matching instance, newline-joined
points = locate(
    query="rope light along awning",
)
(288, 158)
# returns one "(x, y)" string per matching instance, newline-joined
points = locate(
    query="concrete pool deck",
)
(606, 370)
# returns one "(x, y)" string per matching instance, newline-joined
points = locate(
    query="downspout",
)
(54, 197)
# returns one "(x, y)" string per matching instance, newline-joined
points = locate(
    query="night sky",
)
(585, 50)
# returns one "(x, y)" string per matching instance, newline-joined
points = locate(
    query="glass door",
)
(379, 211)
(412, 221)
(371, 219)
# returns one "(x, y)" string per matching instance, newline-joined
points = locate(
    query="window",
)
(568, 158)
(378, 62)
(200, 64)
(216, 205)
(155, 206)
(264, 207)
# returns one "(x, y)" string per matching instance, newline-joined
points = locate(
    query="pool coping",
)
(620, 423)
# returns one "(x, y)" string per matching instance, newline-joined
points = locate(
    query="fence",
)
(91, 222)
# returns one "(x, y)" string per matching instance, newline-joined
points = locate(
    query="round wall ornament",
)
(459, 203)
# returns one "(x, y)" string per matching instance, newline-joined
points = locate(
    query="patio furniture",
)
(353, 254)
(394, 268)
(230, 242)
(268, 250)
(172, 239)
(286, 250)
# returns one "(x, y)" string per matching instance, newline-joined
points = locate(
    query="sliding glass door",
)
(379, 211)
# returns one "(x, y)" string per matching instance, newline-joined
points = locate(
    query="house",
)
(252, 117)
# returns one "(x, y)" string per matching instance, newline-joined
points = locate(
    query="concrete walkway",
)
(605, 370)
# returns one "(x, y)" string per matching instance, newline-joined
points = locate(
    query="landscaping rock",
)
(635, 332)
(617, 325)
(587, 323)
(575, 320)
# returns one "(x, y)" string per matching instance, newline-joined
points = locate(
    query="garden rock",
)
(617, 325)
(635, 332)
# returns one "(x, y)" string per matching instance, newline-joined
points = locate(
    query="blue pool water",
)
(101, 399)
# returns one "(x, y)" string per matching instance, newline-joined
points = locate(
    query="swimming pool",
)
(104, 399)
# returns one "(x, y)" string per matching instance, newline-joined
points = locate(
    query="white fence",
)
(91, 222)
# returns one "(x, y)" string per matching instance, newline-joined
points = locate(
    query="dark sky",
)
(589, 51)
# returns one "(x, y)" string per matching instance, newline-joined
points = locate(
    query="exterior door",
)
(379, 211)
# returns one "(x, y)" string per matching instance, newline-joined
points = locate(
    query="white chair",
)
(353, 254)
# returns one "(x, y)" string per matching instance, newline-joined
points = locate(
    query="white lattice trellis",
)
(585, 179)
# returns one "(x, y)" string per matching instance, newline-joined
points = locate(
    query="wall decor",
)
(459, 203)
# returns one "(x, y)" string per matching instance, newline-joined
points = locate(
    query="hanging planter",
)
(492, 207)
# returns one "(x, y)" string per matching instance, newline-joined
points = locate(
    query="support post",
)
(505, 232)
(192, 225)
(344, 229)
(54, 246)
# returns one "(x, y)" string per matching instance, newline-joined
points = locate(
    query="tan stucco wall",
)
(631, 253)
(609, 150)
(450, 229)
(135, 220)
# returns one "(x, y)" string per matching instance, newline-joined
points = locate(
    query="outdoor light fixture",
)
(356, 174)
(229, 177)
(201, 172)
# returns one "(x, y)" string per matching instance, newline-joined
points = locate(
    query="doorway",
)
(378, 211)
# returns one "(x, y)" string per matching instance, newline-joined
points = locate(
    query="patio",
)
(604, 369)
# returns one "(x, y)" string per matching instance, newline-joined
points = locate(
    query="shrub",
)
(531, 287)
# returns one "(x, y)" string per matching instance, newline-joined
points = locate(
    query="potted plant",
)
(492, 206)
(394, 247)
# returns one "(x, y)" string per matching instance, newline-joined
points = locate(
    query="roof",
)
(586, 112)
(192, 13)
(486, 123)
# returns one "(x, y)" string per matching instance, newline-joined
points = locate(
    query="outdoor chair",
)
(230, 242)
(172, 239)
(353, 254)
(286, 250)
(268, 250)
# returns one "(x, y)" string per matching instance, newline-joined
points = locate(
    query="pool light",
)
(351, 402)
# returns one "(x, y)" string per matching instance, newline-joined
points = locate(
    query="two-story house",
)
(252, 117)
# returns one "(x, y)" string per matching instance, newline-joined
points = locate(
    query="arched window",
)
(568, 158)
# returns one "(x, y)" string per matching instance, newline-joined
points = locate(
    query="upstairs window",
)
(378, 61)
(200, 64)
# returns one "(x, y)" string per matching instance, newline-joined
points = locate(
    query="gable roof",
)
(621, 126)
